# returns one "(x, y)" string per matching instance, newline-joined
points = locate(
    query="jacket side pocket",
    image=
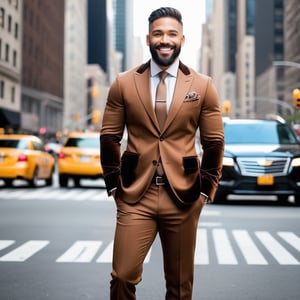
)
(129, 162)
(190, 164)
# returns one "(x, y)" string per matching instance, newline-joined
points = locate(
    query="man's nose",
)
(165, 38)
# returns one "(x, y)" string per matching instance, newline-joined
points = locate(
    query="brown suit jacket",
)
(194, 105)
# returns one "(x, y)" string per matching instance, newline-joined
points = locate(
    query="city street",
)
(57, 244)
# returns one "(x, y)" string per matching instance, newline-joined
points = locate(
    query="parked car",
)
(79, 158)
(24, 157)
(262, 157)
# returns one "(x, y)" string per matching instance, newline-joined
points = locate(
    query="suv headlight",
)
(296, 162)
(228, 161)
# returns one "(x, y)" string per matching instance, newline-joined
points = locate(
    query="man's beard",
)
(167, 61)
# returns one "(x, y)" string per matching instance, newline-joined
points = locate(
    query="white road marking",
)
(249, 250)
(5, 243)
(224, 250)
(282, 256)
(80, 252)
(85, 251)
(290, 238)
(25, 251)
(201, 252)
(106, 255)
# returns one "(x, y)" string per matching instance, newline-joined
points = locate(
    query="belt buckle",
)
(159, 180)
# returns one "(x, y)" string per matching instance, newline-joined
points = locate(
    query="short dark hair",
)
(165, 12)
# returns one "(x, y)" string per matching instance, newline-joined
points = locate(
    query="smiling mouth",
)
(165, 49)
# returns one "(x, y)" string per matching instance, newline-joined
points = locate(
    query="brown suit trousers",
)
(137, 227)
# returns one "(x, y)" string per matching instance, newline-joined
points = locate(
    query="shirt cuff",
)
(203, 194)
(111, 190)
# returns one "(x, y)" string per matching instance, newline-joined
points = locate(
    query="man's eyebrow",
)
(161, 30)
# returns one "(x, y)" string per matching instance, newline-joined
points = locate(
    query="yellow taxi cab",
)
(79, 158)
(24, 157)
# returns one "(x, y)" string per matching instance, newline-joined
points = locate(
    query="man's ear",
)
(183, 40)
(147, 39)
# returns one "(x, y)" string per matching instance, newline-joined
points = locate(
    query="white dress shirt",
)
(170, 80)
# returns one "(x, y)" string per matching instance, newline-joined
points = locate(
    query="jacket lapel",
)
(182, 86)
(142, 82)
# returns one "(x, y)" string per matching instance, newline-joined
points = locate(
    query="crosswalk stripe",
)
(72, 193)
(87, 195)
(224, 250)
(106, 255)
(290, 238)
(28, 194)
(25, 251)
(80, 252)
(51, 194)
(201, 251)
(148, 256)
(85, 251)
(5, 243)
(282, 256)
(11, 194)
(251, 253)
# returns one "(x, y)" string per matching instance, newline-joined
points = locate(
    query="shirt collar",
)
(172, 70)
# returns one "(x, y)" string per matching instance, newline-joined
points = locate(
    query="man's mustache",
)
(165, 46)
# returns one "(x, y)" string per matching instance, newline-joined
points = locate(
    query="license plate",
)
(265, 180)
(84, 158)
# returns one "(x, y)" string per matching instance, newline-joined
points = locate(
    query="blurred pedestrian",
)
(158, 183)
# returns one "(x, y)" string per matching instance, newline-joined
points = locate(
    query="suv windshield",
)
(83, 142)
(259, 133)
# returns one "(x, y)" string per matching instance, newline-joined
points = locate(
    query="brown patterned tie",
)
(161, 100)
(161, 110)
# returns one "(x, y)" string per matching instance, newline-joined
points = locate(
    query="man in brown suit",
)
(159, 184)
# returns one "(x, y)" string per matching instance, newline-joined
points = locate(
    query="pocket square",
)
(191, 96)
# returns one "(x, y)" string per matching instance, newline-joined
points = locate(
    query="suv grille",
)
(254, 166)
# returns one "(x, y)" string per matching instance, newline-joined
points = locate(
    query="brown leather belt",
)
(159, 180)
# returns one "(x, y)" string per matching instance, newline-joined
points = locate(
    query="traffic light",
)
(296, 96)
(96, 116)
(226, 107)
(94, 91)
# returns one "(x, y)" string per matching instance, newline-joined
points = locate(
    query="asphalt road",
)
(56, 244)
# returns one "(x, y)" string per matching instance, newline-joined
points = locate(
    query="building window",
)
(7, 52)
(2, 89)
(15, 58)
(9, 23)
(13, 94)
(0, 49)
(16, 30)
(2, 17)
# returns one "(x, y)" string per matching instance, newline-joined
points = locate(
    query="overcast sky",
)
(193, 15)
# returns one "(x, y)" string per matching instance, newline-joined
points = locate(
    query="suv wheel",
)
(297, 199)
(8, 182)
(34, 180)
(76, 181)
(63, 180)
(49, 180)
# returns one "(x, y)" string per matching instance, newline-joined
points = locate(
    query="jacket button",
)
(161, 138)
(154, 162)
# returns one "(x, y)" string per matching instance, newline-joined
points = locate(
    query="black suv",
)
(262, 157)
